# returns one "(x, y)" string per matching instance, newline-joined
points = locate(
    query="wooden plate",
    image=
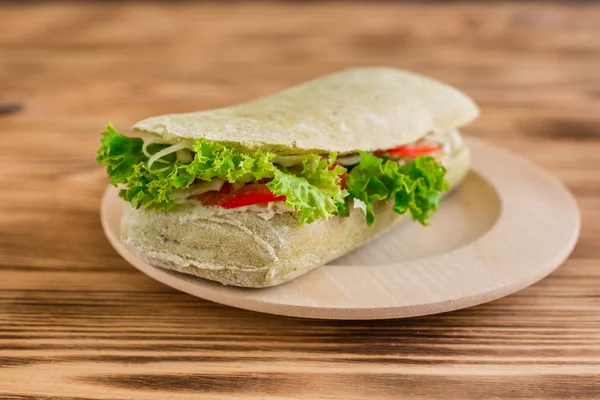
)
(507, 226)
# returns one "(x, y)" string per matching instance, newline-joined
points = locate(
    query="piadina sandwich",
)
(260, 193)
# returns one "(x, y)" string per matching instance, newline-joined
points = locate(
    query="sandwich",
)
(260, 193)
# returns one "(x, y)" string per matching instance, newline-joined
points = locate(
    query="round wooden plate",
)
(508, 225)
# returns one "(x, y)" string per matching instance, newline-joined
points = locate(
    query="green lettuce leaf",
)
(314, 191)
(414, 187)
(120, 154)
(323, 174)
(230, 163)
(311, 189)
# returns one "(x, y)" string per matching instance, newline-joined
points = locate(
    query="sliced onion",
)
(151, 141)
(348, 160)
(198, 188)
(166, 151)
(288, 161)
(161, 169)
(185, 156)
(361, 205)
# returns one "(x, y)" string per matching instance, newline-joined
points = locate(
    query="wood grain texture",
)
(77, 322)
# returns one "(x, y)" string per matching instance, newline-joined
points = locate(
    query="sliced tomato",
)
(248, 195)
(343, 175)
(212, 198)
(420, 148)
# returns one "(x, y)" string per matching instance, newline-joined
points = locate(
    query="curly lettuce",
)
(312, 189)
(313, 193)
(120, 154)
(300, 193)
(414, 187)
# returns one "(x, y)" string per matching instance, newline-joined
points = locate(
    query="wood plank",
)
(76, 322)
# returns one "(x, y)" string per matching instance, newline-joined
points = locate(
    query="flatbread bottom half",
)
(243, 249)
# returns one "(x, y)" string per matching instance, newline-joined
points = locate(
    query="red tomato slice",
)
(414, 150)
(249, 195)
(212, 198)
(244, 196)
(343, 175)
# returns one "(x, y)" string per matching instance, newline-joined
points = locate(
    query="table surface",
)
(77, 322)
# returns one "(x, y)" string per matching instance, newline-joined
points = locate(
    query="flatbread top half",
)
(359, 109)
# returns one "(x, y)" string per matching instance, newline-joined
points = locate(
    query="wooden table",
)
(77, 322)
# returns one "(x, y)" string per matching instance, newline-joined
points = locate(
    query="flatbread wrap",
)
(260, 193)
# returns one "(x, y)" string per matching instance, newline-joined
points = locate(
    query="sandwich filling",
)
(160, 175)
